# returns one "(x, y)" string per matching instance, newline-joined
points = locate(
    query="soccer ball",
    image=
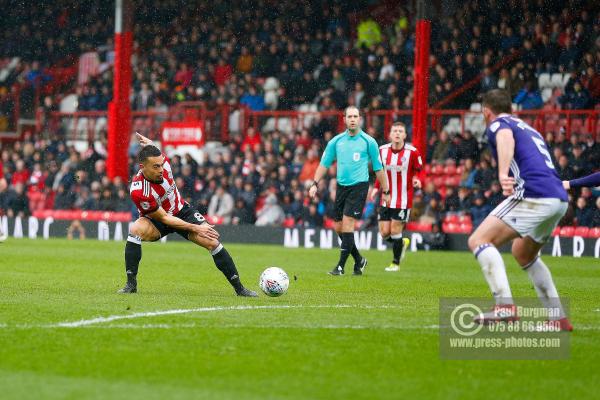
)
(274, 281)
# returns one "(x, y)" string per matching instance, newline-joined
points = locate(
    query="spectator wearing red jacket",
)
(251, 140)
(223, 72)
(21, 174)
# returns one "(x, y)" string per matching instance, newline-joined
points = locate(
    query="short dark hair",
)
(398, 123)
(498, 101)
(148, 151)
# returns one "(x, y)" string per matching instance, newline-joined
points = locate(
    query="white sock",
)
(544, 286)
(494, 272)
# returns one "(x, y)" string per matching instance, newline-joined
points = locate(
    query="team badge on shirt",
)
(356, 156)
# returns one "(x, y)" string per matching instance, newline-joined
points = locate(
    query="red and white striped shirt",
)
(88, 66)
(400, 166)
(149, 196)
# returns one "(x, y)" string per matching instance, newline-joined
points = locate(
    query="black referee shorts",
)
(188, 214)
(350, 200)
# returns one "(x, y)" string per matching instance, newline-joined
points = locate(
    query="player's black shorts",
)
(398, 214)
(188, 214)
(350, 200)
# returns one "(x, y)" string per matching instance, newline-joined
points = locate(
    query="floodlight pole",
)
(421, 86)
(119, 109)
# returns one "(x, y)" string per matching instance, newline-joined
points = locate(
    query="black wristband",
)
(386, 192)
(314, 183)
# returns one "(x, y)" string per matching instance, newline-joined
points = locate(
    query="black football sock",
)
(355, 253)
(346, 248)
(133, 255)
(397, 248)
(225, 264)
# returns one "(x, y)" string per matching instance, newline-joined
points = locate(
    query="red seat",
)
(418, 226)
(438, 181)
(437, 170)
(460, 169)
(581, 231)
(452, 218)
(567, 231)
(556, 231)
(427, 169)
(594, 232)
(465, 219)
(452, 181)
(42, 214)
(450, 169)
(465, 227)
(214, 220)
(328, 223)
(450, 227)
(448, 181)
(289, 222)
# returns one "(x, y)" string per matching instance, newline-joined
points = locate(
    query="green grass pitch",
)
(369, 337)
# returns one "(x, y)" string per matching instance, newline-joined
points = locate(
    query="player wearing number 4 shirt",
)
(401, 162)
(162, 211)
(536, 202)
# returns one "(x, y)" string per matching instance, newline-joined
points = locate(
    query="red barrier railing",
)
(220, 122)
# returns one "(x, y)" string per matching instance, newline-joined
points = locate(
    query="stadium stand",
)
(265, 70)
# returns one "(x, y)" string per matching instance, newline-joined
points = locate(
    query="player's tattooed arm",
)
(204, 230)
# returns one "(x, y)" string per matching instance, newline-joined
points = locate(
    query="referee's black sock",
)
(346, 248)
(133, 255)
(355, 254)
(225, 264)
(397, 248)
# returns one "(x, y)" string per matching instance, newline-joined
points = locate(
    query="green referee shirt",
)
(353, 154)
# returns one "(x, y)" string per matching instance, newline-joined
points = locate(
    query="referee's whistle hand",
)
(312, 191)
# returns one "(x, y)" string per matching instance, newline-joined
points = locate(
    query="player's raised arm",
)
(506, 150)
(143, 140)
(204, 230)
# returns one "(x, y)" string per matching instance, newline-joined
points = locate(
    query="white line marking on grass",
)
(241, 326)
(102, 320)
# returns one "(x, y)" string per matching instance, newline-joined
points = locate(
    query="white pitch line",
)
(101, 320)
(241, 326)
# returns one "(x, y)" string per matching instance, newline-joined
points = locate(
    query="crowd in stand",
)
(262, 180)
(219, 53)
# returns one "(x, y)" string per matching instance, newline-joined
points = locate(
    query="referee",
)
(353, 149)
